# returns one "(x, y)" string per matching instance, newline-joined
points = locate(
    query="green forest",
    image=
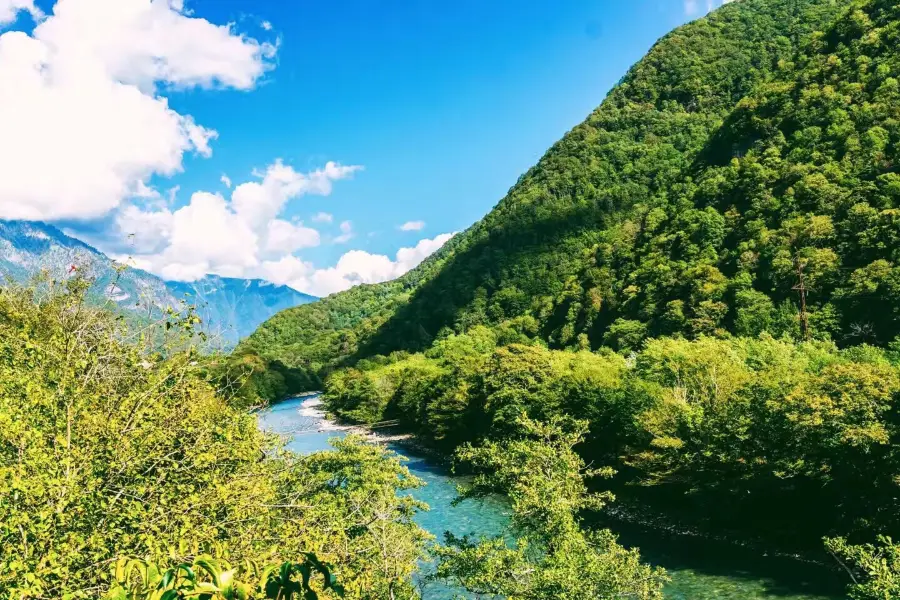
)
(689, 307)
(129, 470)
(126, 474)
(703, 273)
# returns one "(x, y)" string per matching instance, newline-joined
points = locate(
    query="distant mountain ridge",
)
(230, 308)
(236, 307)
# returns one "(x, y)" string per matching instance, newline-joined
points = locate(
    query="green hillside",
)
(705, 272)
(681, 205)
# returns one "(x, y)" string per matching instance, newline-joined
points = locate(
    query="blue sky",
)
(444, 104)
(438, 107)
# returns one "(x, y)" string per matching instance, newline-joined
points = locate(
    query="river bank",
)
(313, 408)
(626, 513)
(701, 568)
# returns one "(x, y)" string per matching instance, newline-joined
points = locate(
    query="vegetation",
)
(766, 435)
(125, 474)
(251, 381)
(554, 557)
(111, 447)
(638, 222)
(878, 567)
(209, 578)
(704, 271)
(697, 286)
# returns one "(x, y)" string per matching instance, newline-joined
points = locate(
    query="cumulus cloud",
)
(692, 7)
(346, 233)
(412, 226)
(283, 237)
(84, 121)
(9, 10)
(86, 126)
(258, 202)
(146, 232)
(226, 237)
(203, 237)
(322, 217)
(407, 258)
(354, 267)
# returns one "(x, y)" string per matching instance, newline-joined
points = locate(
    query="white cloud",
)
(407, 258)
(9, 10)
(145, 192)
(146, 232)
(84, 125)
(258, 202)
(286, 270)
(323, 217)
(283, 237)
(346, 233)
(231, 238)
(692, 7)
(207, 236)
(354, 267)
(266, 25)
(412, 226)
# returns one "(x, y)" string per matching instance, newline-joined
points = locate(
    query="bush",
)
(109, 448)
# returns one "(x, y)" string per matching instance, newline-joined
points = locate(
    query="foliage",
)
(699, 180)
(311, 338)
(741, 180)
(110, 447)
(744, 426)
(554, 557)
(877, 567)
(250, 381)
(209, 578)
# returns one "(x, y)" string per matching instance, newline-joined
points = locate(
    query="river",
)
(700, 569)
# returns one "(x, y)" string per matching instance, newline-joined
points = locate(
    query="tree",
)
(874, 568)
(553, 556)
(111, 448)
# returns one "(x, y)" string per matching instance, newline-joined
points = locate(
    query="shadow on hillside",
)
(531, 250)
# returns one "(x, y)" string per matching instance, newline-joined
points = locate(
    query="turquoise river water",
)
(699, 569)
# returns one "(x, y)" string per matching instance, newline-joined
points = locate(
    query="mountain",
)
(746, 150)
(28, 248)
(705, 273)
(230, 308)
(236, 307)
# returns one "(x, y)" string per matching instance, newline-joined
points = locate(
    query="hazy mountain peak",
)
(230, 308)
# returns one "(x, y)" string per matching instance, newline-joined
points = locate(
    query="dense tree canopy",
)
(553, 557)
(652, 216)
(705, 271)
(767, 439)
(112, 449)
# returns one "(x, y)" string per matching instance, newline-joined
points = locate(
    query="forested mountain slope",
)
(702, 272)
(683, 204)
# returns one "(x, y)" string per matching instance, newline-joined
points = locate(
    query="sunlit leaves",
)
(111, 449)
